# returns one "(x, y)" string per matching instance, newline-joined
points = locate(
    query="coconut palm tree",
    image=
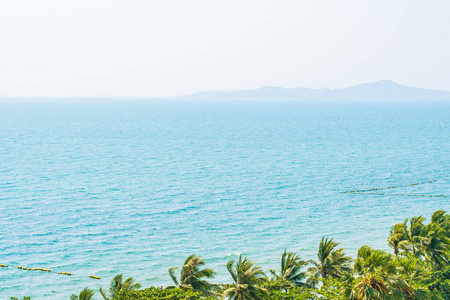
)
(396, 236)
(411, 269)
(191, 276)
(441, 218)
(118, 286)
(377, 278)
(433, 245)
(331, 262)
(85, 294)
(248, 279)
(291, 270)
(411, 233)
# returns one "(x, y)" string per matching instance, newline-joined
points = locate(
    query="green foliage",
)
(331, 262)
(118, 287)
(433, 245)
(160, 293)
(248, 280)
(332, 288)
(191, 276)
(290, 273)
(411, 233)
(378, 276)
(439, 283)
(24, 298)
(441, 218)
(275, 284)
(428, 242)
(397, 236)
(85, 294)
(296, 293)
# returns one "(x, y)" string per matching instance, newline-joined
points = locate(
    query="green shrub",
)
(292, 294)
(153, 293)
(439, 283)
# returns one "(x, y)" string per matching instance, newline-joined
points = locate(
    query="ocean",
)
(133, 186)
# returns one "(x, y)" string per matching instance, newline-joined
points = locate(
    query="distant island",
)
(383, 89)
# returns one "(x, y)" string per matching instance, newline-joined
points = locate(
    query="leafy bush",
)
(153, 293)
(293, 294)
(439, 283)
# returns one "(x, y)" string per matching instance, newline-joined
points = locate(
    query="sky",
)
(145, 48)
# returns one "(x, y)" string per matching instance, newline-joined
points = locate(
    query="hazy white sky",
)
(168, 48)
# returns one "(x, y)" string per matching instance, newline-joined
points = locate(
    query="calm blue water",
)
(98, 189)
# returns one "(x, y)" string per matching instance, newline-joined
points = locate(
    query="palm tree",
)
(396, 236)
(372, 268)
(433, 245)
(118, 286)
(247, 278)
(85, 294)
(332, 262)
(191, 275)
(377, 278)
(411, 269)
(291, 270)
(411, 233)
(441, 218)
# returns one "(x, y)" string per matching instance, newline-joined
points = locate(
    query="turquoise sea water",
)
(135, 187)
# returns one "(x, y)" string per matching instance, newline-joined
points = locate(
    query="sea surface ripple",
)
(135, 187)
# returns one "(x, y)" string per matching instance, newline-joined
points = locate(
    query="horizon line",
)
(218, 91)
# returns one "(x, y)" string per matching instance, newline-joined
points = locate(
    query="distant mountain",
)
(383, 89)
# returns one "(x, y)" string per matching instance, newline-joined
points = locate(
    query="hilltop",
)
(383, 89)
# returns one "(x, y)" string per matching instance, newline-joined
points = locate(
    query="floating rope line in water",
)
(393, 186)
(386, 194)
(46, 270)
